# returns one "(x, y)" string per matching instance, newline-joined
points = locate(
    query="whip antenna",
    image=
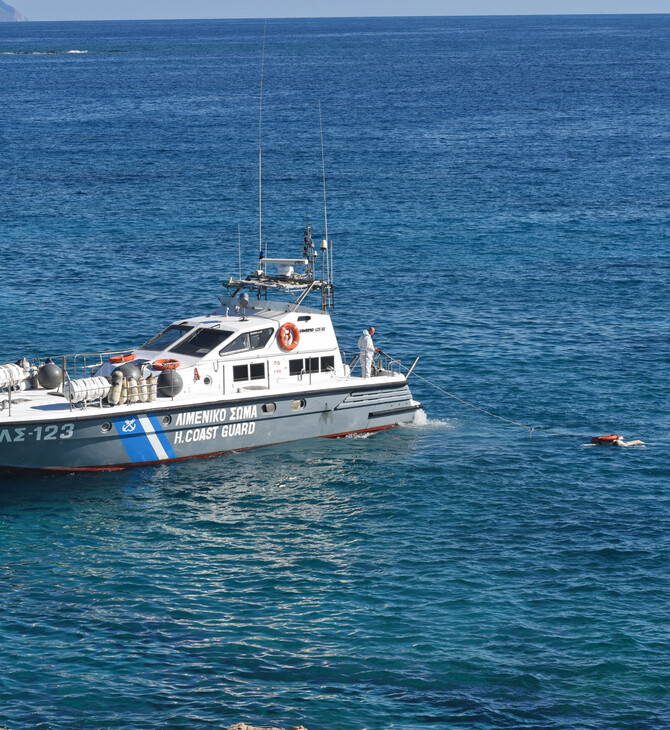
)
(329, 251)
(260, 119)
(323, 168)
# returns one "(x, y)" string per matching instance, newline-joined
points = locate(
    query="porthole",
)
(207, 380)
(107, 426)
(268, 408)
(166, 420)
(298, 405)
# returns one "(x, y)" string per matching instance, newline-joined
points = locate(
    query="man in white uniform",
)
(367, 348)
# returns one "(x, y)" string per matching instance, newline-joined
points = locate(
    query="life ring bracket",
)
(126, 357)
(288, 336)
(165, 364)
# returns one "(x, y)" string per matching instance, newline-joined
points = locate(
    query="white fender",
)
(152, 388)
(142, 390)
(114, 395)
(133, 395)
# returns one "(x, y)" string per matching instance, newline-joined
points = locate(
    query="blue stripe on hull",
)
(162, 437)
(134, 439)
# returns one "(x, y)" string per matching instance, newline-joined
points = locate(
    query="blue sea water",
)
(499, 201)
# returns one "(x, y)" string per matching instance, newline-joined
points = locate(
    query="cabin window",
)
(259, 339)
(298, 405)
(239, 343)
(167, 337)
(254, 371)
(240, 372)
(311, 365)
(201, 342)
(249, 341)
(295, 367)
(268, 408)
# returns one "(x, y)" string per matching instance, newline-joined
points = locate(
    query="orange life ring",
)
(165, 364)
(604, 440)
(288, 336)
(122, 358)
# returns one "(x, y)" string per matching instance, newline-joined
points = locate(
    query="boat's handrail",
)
(78, 365)
(382, 362)
(7, 401)
(64, 360)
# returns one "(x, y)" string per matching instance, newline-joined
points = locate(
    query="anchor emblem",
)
(129, 426)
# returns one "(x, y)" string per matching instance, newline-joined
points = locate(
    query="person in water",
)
(367, 351)
(620, 442)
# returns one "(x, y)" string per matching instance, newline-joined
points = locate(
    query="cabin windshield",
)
(201, 342)
(167, 337)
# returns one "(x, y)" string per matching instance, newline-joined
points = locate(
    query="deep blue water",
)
(499, 201)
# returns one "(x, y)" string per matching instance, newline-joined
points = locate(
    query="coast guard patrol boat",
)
(256, 371)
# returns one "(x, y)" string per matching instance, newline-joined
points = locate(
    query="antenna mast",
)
(326, 247)
(260, 119)
(323, 168)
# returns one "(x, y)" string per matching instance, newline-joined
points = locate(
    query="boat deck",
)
(42, 405)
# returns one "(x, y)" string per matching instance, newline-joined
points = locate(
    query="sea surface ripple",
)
(498, 202)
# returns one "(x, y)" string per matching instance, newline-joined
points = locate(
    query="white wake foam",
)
(422, 421)
(38, 53)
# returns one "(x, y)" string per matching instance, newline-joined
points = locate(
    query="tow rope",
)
(530, 429)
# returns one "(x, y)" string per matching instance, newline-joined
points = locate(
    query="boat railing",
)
(382, 363)
(7, 402)
(81, 365)
(73, 367)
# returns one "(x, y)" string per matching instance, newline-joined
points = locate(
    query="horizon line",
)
(342, 17)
